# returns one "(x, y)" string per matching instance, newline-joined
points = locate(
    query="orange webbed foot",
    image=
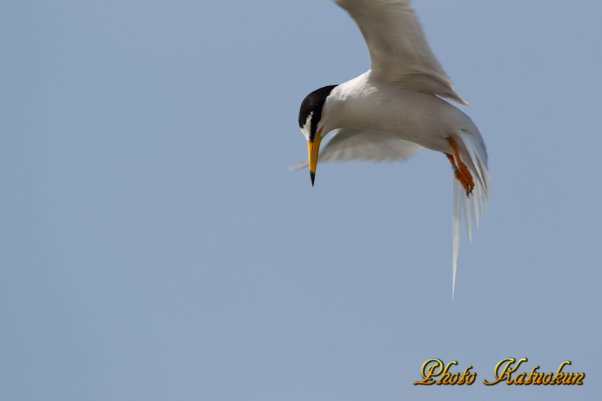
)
(461, 171)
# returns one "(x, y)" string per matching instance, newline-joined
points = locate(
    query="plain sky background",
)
(154, 245)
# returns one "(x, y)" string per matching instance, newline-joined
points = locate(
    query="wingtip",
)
(454, 96)
(297, 166)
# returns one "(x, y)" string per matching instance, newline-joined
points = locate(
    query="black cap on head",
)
(313, 103)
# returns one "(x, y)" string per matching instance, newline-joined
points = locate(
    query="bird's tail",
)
(469, 208)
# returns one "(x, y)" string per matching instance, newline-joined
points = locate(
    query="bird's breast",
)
(417, 117)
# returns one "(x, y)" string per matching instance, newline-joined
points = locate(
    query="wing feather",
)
(357, 144)
(398, 48)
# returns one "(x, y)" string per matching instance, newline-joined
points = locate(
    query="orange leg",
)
(457, 173)
(461, 171)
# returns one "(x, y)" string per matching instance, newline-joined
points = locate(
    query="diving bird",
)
(396, 108)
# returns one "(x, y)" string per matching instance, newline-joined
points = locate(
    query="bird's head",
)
(311, 121)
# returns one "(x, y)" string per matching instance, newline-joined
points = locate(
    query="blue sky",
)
(153, 244)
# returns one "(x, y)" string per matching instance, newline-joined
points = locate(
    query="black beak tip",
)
(313, 177)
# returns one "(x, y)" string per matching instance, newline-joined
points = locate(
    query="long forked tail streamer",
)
(469, 208)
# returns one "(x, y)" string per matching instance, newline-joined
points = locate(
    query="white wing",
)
(398, 49)
(358, 144)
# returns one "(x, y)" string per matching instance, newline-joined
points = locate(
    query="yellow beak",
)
(313, 148)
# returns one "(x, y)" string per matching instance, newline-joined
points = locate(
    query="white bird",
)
(396, 108)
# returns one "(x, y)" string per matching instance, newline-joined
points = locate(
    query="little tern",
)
(396, 108)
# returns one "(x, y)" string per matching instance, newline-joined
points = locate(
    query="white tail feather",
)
(469, 208)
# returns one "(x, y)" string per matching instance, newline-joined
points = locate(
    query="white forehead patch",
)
(306, 130)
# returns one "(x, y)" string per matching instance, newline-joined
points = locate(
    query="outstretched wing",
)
(399, 51)
(359, 144)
